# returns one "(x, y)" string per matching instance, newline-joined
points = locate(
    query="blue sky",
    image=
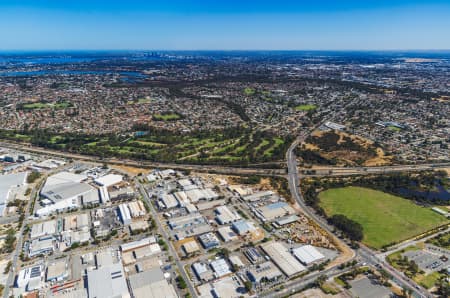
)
(227, 25)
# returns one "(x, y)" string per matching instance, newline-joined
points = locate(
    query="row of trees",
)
(352, 229)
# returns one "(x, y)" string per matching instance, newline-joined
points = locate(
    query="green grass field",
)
(428, 281)
(385, 218)
(306, 108)
(45, 105)
(249, 91)
(394, 128)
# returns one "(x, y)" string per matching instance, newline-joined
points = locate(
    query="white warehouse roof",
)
(282, 258)
(109, 180)
(108, 281)
(307, 254)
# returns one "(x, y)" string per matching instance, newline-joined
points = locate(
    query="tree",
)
(350, 228)
(248, 285)
(181, 282)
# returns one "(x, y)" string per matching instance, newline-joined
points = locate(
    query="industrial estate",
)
(225, 174)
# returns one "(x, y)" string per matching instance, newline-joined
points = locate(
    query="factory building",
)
(308, 255)
(7, 184)
(65, 191)
(282, 258)
(264, 271)
(227, 234)
(220, 267)
(274, 211)
(209, 240)
(125, 215)
(30, 278)
(151, 284)
(40, 246)
(225, 215)
(109, 180)
(107, 281)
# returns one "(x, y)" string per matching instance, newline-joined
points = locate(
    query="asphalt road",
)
(339, 171)
(146, 164)
(172, 251)
(19, 244)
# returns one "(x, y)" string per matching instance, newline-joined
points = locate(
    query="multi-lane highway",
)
(343, 171)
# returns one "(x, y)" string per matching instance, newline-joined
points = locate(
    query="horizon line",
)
(226, 50)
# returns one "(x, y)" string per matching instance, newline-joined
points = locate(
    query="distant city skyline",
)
(230, 25)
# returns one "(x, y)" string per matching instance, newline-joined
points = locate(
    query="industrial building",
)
(57, 271)
(46, 228)
(202, 271)
(308, 254)
(30, 278)
(42, 245)
(253, 255)
(279, 222)
(225, 215)
(282, 258)
(76, 222)
(190, 247)
(109, 180)
(274, 210)
(220, 267)
(168, 201)
(7, 184)
(137, 209)
(137, 244)
(151, 284)
(64, 191)
(261, 195)
(195, 195)
(227, 234)
(209, 240)
(226, 287)
(186, 221)
(125, 215)
(236, 261)
(243, 226)
(107, 281)
(264, 271)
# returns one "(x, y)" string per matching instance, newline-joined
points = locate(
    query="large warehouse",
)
(7, 183)
(107, 281)
(282, 258)
(151, 284)
(66, 191)
(308, 254)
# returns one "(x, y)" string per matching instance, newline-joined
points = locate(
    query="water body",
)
(128, 76)
(441, 194)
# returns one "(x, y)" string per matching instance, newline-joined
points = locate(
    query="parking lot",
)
(429, 260)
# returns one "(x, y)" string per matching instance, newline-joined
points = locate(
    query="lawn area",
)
(277, 142)
(394, 128)
(46, 105)
(249, 91)
(306, 108)
(35, 106)
(428, 281)
(442, 240)
(385, 218)
(144, 100)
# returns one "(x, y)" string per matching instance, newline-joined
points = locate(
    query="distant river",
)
(441, 193)
(126, 75)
